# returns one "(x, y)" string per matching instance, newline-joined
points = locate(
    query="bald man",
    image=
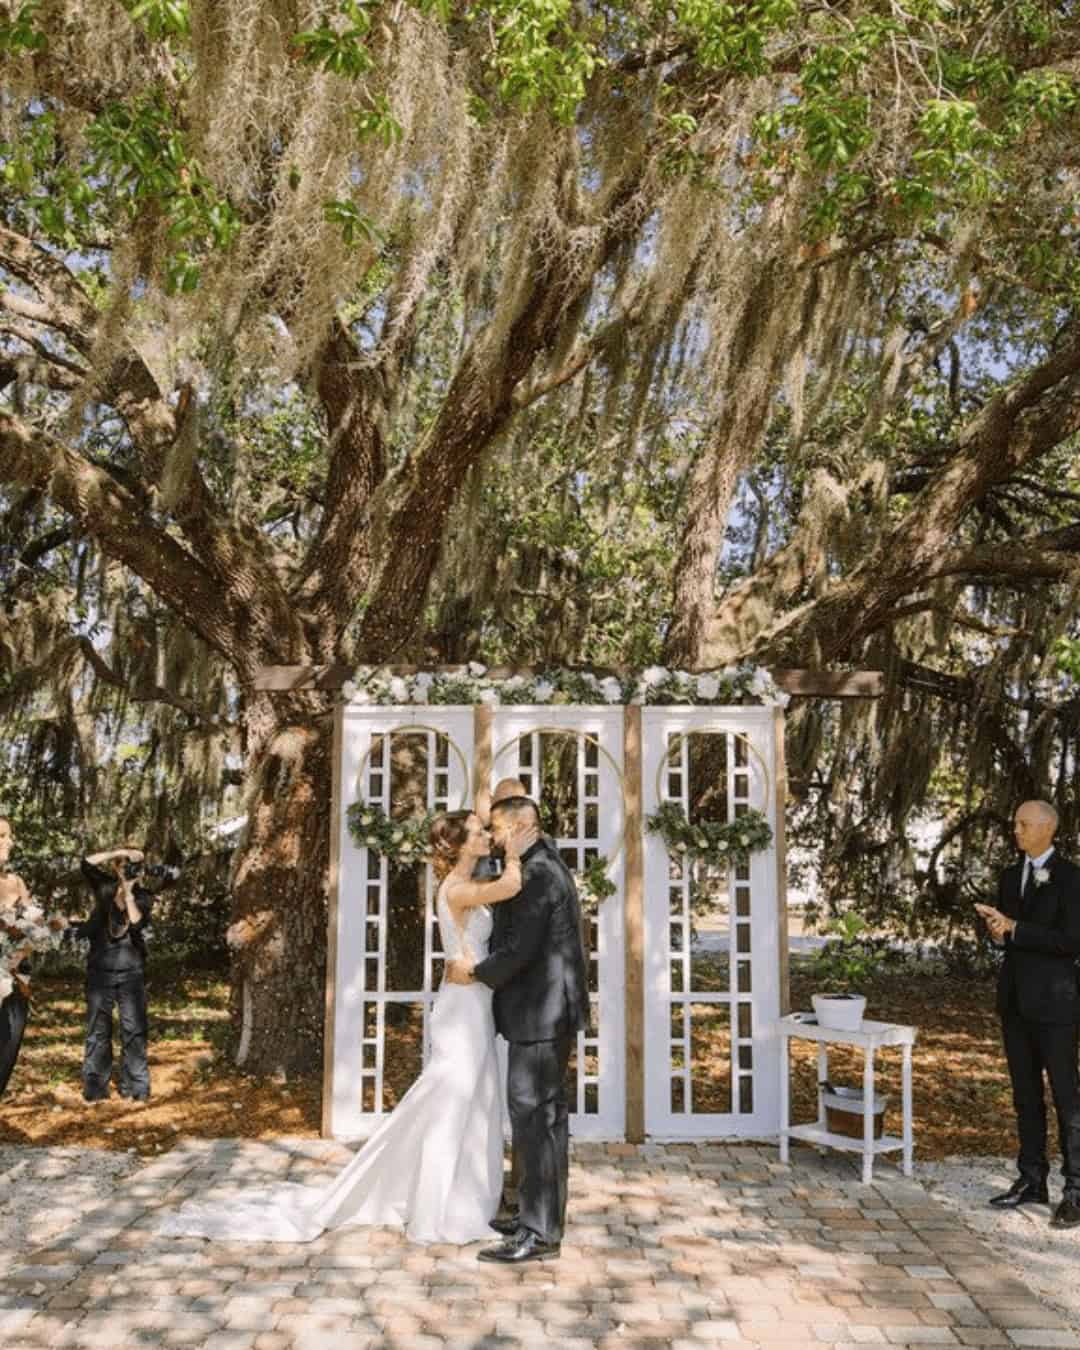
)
(1037, 920)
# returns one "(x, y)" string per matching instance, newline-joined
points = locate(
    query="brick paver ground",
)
(684, 1246)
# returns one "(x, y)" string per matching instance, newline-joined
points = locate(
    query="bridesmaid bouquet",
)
(26, 929)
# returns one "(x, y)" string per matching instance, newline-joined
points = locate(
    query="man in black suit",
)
(536, 965)
(1037, 918)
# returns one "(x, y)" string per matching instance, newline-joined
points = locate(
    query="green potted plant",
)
(844, 966)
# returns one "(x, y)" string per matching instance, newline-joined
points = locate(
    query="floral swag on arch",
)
(474, 683)
(405, 841)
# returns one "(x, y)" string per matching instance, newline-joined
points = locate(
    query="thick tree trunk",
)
(279, 888)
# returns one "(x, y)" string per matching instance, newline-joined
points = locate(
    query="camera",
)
(150, 872)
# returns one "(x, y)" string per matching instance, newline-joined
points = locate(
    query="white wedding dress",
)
(433, 1167)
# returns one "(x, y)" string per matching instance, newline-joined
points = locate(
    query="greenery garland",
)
(716, 844)
(401, 841)
(405, 842)
(474, 683)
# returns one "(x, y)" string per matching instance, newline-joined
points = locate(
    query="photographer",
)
(115, 971)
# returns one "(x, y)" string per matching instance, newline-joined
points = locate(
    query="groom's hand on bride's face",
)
(459, 972)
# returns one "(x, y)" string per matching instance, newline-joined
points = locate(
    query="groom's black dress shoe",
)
(1021, 1192)
(507, 1225)
(1067, 1214)
(524, 1245)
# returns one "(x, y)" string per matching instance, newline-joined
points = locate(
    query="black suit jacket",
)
(1038, 974)
(536, 962)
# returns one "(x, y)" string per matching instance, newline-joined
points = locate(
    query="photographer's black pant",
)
(12, 1025)
(126, 991)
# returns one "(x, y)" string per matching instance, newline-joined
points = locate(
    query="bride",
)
(434, 1166)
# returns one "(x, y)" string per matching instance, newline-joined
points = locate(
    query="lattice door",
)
(389, 957)
(712, 973)
(570, 760)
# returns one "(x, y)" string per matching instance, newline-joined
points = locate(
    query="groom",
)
(536, 966)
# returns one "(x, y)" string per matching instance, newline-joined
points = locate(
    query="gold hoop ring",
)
(415, 726)
(571, 731)
(715, 729)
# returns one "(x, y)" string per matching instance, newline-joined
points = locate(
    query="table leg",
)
(822, 1077)
(785, 1096)
(909, 1130)
(868, 1115)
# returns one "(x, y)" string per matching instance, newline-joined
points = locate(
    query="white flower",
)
(366, 818)
(406, 848)
(744, 839)
(708, 686)
(681, 845)
(611, 689)
(424, 679)
(399, 690)
(361, 696)
(397, 836)
(490, 697)
(1041, 876)
(371, 841)
(730, 673)
(655, 675)
(722, 846)
(515, 682)
(419, 692)
(543, 690)
(33, 913)
(348, 690)
(590, 679)
(476, 669)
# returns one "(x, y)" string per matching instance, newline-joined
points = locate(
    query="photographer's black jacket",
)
(109, 955)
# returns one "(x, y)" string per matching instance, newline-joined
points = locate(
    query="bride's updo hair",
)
(447, 836)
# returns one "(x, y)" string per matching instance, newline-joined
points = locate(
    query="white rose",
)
(543, 690)
(397, 836)
(406, 848)
(515, 682)
(399, 690)
(681, 846)
(476, 669)
(366, 818)
(424, 680)
(744, 839)
(722, 846)
(654, 675)
(611, 690)
(348, 690)
(361, 696)
(708, 686)
(371, 841)
(420, 692)
(1041, 875)
(489, 697)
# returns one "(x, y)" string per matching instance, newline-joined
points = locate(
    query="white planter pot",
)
(842, 1012)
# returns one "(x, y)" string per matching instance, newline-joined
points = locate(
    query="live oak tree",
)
(289, 287)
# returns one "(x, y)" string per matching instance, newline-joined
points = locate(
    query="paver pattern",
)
(677, 1246)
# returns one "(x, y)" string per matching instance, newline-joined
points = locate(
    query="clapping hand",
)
(999, 925)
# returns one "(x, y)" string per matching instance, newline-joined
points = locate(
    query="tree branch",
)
(110, 514)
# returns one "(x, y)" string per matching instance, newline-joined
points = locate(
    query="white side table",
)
(872, 1036)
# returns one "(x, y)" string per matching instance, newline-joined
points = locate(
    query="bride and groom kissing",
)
(516, 965)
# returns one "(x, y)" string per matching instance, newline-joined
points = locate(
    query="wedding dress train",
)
(434, 1165)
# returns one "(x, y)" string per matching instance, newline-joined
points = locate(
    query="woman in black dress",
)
(14, 1008)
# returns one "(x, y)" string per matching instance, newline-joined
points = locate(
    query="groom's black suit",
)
(536, 965)
(1039, 1004)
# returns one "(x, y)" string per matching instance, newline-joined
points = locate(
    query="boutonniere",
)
(1041, 876)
